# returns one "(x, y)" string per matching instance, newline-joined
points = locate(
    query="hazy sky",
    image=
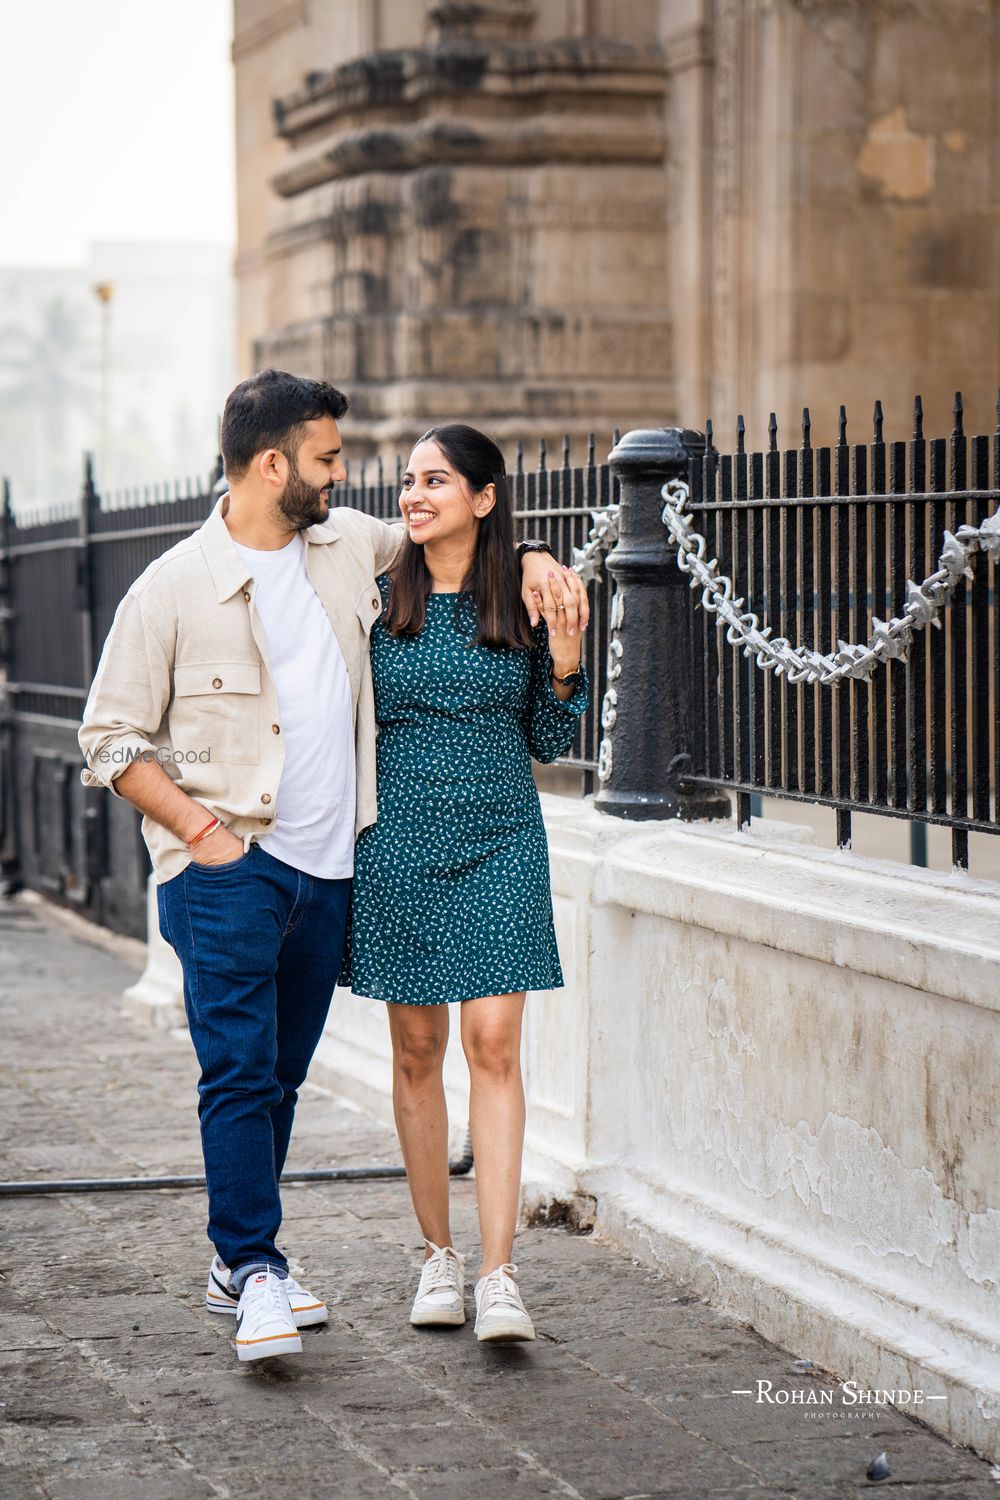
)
(115, 123)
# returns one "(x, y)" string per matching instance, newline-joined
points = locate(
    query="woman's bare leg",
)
(419, 1037)
(491, 1038)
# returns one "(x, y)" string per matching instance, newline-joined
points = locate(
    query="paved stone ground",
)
(118, 1385)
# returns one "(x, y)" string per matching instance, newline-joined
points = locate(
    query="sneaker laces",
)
(500, 1290)
(272, 1293)
(440, 1270)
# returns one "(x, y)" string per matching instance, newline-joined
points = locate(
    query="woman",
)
(451, 897)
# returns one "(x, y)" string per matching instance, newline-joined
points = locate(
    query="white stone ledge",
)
(937, 933)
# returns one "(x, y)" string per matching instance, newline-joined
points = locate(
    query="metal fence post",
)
(8, 832)
(6, 601)
(647, 719)
(89, 505)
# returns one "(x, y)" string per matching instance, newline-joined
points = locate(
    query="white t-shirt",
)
(314, 819)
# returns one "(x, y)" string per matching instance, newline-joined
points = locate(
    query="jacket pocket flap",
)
(369, 606)
(204, 679)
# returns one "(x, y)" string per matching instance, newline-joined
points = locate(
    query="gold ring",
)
(560, 606)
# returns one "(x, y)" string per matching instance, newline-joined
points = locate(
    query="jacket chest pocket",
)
(369, 607)
(216, 707)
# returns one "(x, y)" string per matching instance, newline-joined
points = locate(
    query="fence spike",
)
(364, 466)
(591, 449)
(842, 428)
(772, 433)
(998, 410)
(616, 435)
(88, 475)
(877, 422)
(918, 419)
(380, 471)
(741, 432)
(565, 450)
(709, 434)
(806, 428)
(399, 471)
(519, 461)
(959, 415)
(542, 453)
(8, 509)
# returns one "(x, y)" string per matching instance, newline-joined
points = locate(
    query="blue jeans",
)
(260, 945)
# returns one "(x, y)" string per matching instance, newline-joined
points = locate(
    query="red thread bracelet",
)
(208, 828)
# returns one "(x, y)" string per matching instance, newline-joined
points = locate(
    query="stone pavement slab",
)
(117, 1384)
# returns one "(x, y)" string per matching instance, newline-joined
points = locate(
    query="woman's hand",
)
(565, 645)
(545, 586)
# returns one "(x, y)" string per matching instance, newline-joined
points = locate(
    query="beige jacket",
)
(184, 675)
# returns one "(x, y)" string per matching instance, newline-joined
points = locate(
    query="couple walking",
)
(282, 638)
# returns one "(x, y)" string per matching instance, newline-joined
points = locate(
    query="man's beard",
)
(302, 504)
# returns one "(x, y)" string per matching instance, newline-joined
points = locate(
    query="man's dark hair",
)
(268, 411)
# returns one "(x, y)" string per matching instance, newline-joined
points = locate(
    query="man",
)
(233, 706)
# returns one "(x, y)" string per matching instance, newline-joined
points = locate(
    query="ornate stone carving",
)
(501, 19)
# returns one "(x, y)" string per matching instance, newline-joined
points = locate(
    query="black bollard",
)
(647, 719)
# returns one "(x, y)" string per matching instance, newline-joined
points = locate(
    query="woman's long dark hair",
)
(494, 576)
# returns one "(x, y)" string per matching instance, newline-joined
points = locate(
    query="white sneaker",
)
(500, 1313)
(440, 1294)
(264, 1323)
(221, 1298)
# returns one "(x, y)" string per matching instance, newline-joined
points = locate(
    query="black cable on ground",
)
(458, 1168)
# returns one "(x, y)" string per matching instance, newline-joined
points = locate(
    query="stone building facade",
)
(563, 215)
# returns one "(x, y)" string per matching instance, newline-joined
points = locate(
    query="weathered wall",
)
(839, 196)
(651, 211)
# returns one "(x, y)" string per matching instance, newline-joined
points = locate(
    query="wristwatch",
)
(571, 679)
(523, 547)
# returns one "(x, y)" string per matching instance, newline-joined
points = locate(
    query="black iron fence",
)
(865, 562)
(919, 738)
(818, 544)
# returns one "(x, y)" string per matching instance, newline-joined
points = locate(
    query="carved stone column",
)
(475, 229)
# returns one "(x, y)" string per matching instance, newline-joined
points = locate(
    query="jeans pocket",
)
(229, 864)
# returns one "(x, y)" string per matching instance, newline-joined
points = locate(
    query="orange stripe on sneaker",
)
(269, 1338)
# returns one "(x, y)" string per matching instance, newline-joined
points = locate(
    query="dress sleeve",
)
(550, 724)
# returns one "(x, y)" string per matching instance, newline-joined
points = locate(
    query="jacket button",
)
(275, 729)
(216, 682)
(265, 820)
(266, 798)
(246, 595)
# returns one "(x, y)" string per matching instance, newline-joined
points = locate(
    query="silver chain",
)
(603, 535)
(890, 638)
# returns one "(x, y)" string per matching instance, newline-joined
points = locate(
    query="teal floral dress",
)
(451, 896)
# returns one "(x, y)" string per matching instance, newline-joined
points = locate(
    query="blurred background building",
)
(137, 377)
(558, 215)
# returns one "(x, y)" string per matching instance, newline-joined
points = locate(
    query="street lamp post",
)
(104, 291)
